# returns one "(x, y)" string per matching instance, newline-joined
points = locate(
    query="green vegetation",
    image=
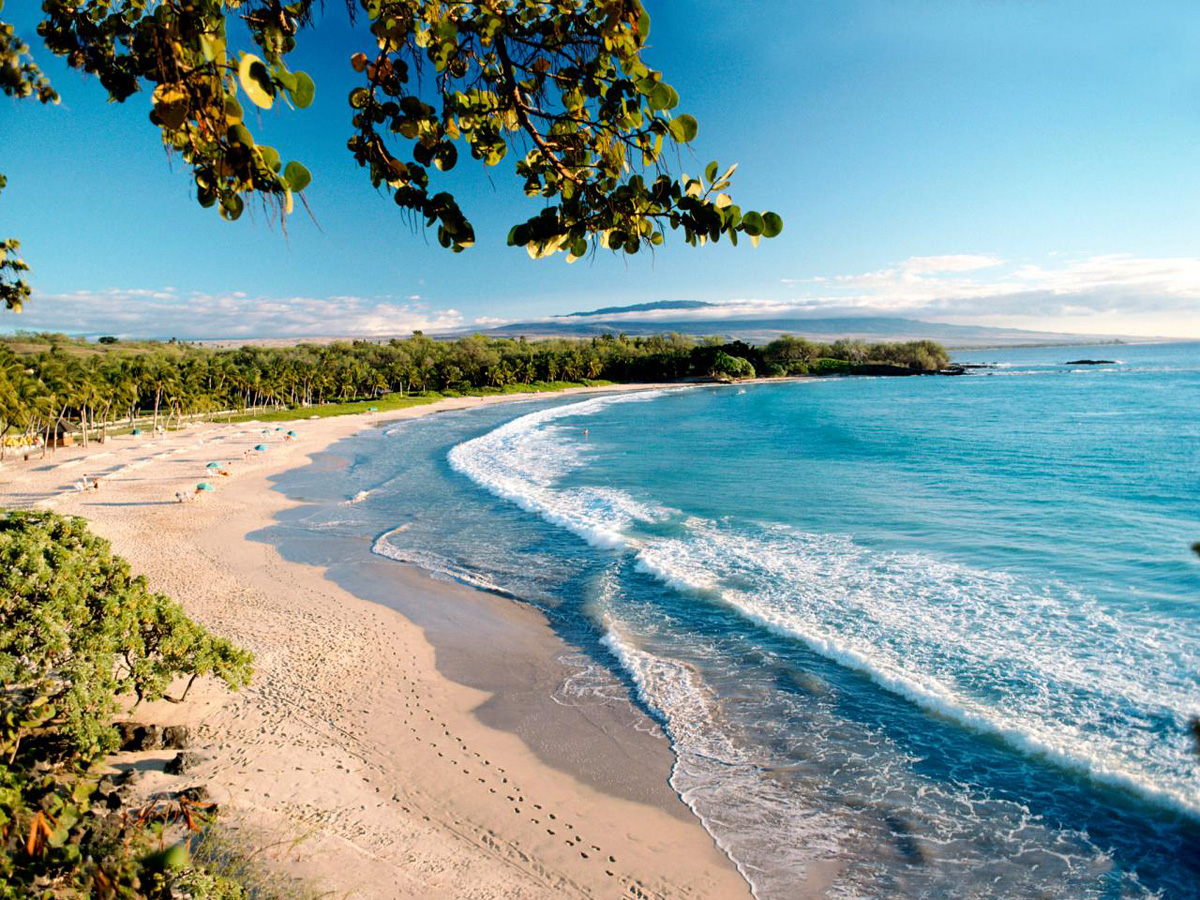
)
(52, 387)
(562, 86)
(726, 367)
(78, 633)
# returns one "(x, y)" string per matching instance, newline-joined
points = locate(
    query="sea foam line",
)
(520, 461)
(523, 460)
(808, 593)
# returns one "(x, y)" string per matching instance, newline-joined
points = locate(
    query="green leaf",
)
(772, 225)
(752, 224)
(256, 81)
(684, 129)
(305, 90)
(710, 172)
(170, 105)
(297, 176)
(270, 158)
(231, 209)
(662, 96)
(240, 134)
(643, 25)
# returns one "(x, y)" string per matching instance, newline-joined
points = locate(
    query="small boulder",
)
(137, 737)
(182, 762)
(176, 737)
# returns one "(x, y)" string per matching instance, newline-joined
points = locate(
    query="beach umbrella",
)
(213, 465)
(205, 486)
(280, 428)
(372, 409)
(261, 448)
(137, 431)
(291, 434)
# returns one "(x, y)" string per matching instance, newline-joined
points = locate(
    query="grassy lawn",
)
(393, 402)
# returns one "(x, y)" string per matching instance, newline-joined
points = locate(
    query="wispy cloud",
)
(166, 312)
(1112, 293)
(968, 286)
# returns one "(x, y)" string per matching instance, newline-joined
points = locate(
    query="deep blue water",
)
(945, 631)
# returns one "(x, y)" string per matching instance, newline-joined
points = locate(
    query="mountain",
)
(614, 320)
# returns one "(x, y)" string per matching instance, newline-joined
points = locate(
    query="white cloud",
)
(973, 286)
(165, 313)
(1097, 293)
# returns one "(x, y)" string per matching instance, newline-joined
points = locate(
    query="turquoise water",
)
(945, 631)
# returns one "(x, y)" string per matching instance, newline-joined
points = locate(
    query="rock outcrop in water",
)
(1091, 362)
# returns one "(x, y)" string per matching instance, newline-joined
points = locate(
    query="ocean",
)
(943, 631)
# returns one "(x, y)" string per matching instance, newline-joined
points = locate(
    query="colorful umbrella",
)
(205, 486)
(213, 465)
(261, 448)
(291, 434)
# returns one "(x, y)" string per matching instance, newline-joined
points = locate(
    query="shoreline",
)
(359, 737)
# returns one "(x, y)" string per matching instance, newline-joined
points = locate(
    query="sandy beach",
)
(366, 757)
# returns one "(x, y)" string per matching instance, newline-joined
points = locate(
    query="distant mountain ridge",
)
(758, 331)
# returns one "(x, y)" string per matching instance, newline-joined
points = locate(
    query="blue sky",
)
(1024, 163)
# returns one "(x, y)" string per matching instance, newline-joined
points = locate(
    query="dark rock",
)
(114, 800)
(182, 762)
(176, 737)
(1090, 362)
(883, 369)
(137, 737)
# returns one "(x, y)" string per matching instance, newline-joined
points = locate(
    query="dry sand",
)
(363, 767)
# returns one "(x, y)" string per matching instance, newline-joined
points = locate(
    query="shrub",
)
(77, 632)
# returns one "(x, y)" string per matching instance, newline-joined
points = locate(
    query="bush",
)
(77, 632)
(827, 366)
(729, 367)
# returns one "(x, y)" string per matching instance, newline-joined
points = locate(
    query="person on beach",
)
(95, 484)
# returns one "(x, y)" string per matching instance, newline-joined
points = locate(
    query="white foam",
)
(1042, 667)
(434, 564)
(521, 460)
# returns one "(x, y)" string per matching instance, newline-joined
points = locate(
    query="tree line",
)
(64, 383)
